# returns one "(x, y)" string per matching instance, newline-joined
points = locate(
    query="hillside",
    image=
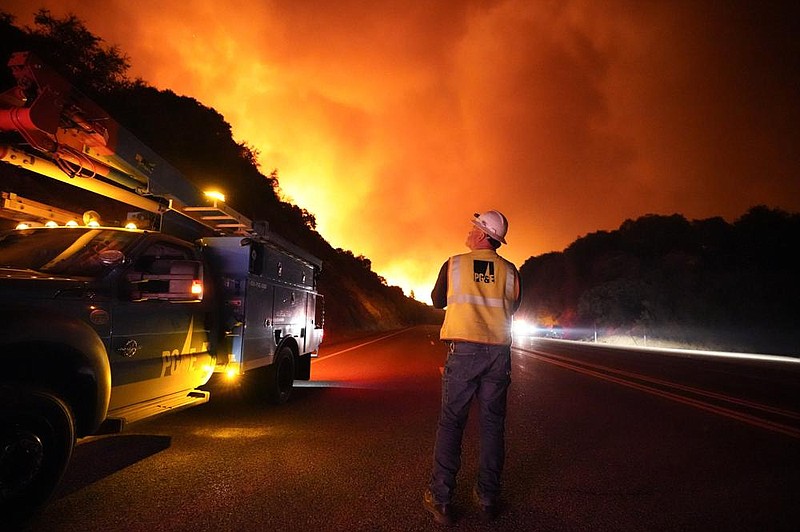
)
(198, 141)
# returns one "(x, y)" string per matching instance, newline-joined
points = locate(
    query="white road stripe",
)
(337, 353)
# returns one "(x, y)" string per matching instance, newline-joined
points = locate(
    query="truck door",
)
(159, 347)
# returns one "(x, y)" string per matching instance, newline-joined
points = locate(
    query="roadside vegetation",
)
(665, 280)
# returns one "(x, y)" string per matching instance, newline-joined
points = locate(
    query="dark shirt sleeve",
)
(439, 292)
(518, 301)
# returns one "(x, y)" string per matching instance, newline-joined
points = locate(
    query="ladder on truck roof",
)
(71, 139)
(216, 216)
(220, 217)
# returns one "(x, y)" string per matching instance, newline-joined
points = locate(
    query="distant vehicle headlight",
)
(523, 328)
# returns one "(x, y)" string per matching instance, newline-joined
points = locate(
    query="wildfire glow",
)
(392, 126)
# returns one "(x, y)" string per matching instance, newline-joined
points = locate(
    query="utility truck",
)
(105, 321)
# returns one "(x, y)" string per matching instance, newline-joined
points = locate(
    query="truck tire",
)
(280, 377)
(37, 435)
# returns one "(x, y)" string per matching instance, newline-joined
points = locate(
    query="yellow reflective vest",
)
(480, 298)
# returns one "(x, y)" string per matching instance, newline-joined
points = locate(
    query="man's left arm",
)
(439, 292)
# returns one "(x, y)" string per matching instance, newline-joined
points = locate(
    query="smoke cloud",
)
(392, 122)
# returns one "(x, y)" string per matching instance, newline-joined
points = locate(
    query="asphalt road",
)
(603, 441)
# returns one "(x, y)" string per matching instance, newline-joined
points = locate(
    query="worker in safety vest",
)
(481, 291)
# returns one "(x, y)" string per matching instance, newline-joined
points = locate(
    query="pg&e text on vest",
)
(483, 271)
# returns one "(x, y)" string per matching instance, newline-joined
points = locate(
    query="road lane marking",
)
(337, 353)
(716, 409)
(690, 389)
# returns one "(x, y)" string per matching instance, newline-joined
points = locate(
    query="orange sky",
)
(393, 122)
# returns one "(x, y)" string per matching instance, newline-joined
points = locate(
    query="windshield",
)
(77, 252)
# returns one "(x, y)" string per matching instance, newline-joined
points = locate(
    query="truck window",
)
(152, 274)
(256, 258)
(153, 255)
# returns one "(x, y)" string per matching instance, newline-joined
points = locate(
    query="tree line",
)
(703, 283)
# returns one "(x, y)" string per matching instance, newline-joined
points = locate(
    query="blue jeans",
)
(472, 370)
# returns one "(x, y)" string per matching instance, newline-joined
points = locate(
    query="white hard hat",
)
(493, 223)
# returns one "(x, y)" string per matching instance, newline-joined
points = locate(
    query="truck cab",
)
(140, 294)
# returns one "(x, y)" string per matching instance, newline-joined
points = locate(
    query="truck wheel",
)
(37, 434)
(280, 377)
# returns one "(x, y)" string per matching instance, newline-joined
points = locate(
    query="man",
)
(481, 291)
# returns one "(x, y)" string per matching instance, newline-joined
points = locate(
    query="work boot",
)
(442, 513)
(487, 511)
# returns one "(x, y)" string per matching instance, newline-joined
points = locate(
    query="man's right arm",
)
(439, 292)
